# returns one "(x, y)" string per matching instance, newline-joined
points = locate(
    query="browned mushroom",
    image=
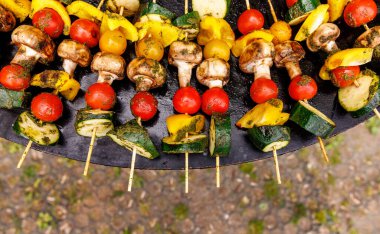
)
(184, 55)
(109, 66)
(369, 39)
(146, 73)
(213, 72)
(34, 45)
(257, 58)
(324, 38)
(7, 20)
(73, 53)
(288, 54)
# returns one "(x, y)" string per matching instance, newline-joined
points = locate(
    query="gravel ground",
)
(50, 195)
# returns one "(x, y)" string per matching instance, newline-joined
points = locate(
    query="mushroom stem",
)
(106, 77)
(69, 66)
(184, 73)
(143, 83)
(331, 47)
(26, 57)
(261, 70)
(293, 69)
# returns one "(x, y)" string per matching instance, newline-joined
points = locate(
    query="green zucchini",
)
(10, 99)
(312, 120)
(300, 11)
(215, 8)
(220, 135)
(87, 120)
(189, 23)
(41, 133)
(154, 9)
(373, 104)
(267, 138)
(191, 144)
(132, 135)
(354, 98)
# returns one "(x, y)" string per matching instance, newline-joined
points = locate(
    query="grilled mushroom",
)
(184, 55)
(324, 38)
(288, 54)
(130, 6)
(34, 45)
(257, 58)
(213, 72)
(109, 66)
(73, 53)
(7, 20)
(369, 39)
(146, 73)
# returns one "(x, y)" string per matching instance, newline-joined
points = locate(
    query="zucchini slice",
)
(220, 135)
(300, 11)
(191, 144)
(215, 8)
(189, 23)
(10, 99)
(132, 135)
(87, 120)
(41, 133)
(265, 138)
(373, 104)
(151, 8)
(312, 120)
(354, 98)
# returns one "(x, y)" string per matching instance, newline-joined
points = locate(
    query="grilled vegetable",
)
(179, 125)
(39, 132)
(267, 138)
(191, 144)
(240, 44)
(84, 10)
(372, 104)
(300, 11)
(312, 120)
(189, 23)
(20, 8)
(113, 21)
(213, 28)
(13, 99)
(220, 135)
(162, 31)
(336, 8)
(215, 8)
(313, 21)
(155, 9)
(349, 57)
(131, 7)
(87, 120)
(131, 135)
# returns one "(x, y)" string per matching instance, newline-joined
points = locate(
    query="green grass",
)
(271, 189)
(299, 211)
(181, 211)
(325, 216)
(248, 169)
(138, 181)
(255, 226)
(44, 220)
(373, 125)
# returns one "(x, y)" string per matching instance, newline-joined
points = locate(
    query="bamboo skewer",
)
(23, 156)
(133, 162)
(100, 4)
(248, 5)
(217, 162)
(278, 174)
(187, 169)
(89, 154)
(272, 11)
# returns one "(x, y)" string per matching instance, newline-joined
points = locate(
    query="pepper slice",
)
(112, 21)
(213, 28)
(162, 31)
(84, 10)
(20, 8)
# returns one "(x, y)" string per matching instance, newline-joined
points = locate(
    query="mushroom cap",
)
(288, 51)
(108, 62)
(212, 70)
(186, 51)
(74, 51)
(324, 34)
(259, 51)
(130, 6)
(369, 39)
(35, 39)
(145, 68)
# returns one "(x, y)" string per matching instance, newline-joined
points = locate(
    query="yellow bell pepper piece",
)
(336, 8)
(162, 31)
(84, 10)
(112, 21)
(324, 73)
(349, 57)
(20, 8)
(179, 125)
(312, 22)
(268, 113)
(242, 42)
(55, 5)
(213, 28)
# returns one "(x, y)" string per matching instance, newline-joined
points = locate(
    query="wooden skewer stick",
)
(272, 11)
(324, 153)
(100, 4)
(187, 169)
(278, 174)
(23, 156)
(133, 162)
(217, 161)
(121, 11)
(377, 113)
(248, 5)
(89, 154)
(186, 6)
(366, 27)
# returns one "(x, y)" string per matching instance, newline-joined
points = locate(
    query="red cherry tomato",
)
(290, 3)
(14, 77)
(85, 31)
(215, 100)
(49, 21)
(47, 107)
(263, 89)
(250, 20)
(100, 96)
(187, 100)
(302, 88)
(359, 12)
(344, 76)
(144, 105)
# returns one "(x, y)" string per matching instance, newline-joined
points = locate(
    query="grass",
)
(333, 146)
(373, 125)
(44, 220)
(299, 211)
(325, 216)
(271, 189)
(138, 181)
(181, 211)
(30, 171)
(248, 169)
(255, 226)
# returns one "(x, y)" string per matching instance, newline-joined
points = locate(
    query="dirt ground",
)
(50, 195)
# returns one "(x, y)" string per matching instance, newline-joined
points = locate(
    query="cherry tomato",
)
(85, 31)
(49, 21)
(215, 100)
(144, 105)
(263, 89)
(302, 88)
(187, 100)
(344, 76)
(100, 96)
(14, 77)
(47, 107)
(113, 41)
(150, 47)
(359, 12)
(290, 3)
(281, 30)
(217, 49)
(250, 20)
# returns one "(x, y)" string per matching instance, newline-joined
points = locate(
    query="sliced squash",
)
(312, 22)
(349, 57)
